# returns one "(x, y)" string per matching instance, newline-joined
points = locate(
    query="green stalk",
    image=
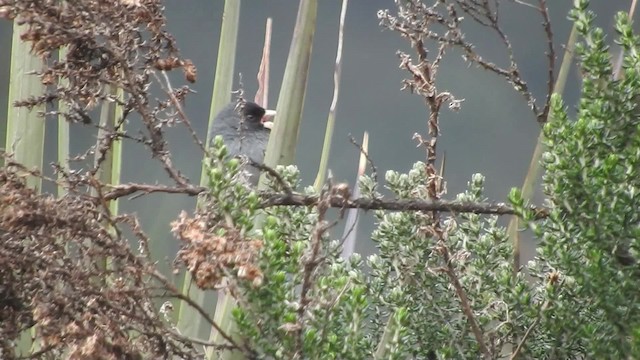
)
(350, 233)
(391, 334)
(63, 132)
(534, 165)
(110, 168)
(331, 120)
(189, 320)
(284, 135)
(25, 129)
(281, 149)
(618, 65)
(223, 80)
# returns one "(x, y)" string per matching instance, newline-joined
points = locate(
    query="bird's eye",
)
(250, 117)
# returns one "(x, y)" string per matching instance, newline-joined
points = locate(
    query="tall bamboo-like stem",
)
(350, 233)
(534, 165)
(63, 131)
(281, 149)
(331, 119)
(109, 167)
(110, 120)
(189, 320)
(284, 136)
(25, 127)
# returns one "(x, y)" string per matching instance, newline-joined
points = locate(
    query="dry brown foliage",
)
(210, 257)
(51, 276)
(66, 266)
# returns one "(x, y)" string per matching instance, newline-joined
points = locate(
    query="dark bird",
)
(245, 128)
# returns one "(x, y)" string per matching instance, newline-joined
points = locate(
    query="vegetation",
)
(77, 279)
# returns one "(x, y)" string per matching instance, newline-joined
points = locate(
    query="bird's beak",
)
(267, 119)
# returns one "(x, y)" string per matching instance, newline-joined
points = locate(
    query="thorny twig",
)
(176, 96)
(270, 199)
(310, 262)
(551, 56)
(465, 304)
(419, 22)
(374, 169)
(535, 323)
(274, 174)
(177, 294)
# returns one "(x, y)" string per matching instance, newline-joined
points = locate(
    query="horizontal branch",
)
(275, 199)
(118, 191)
(270, 199)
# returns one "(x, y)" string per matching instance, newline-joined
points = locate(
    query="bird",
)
(245, 128)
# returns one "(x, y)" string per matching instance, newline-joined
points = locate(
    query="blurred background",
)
(494, 133)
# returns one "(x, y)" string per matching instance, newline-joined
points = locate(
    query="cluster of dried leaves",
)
(67, 269)
(105, 42)
(91, 48)
(210, 258)
(66, 265)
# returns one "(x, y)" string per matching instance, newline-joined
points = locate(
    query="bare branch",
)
(464, 300)
(551, 56)
(273, 199)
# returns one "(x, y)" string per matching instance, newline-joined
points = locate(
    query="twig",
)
(310, 263)
(551, 56)
(520, 346)
(523, 3)
(327, 318)
(365, 153)
(270, 199)
(178, 295)
(464, 300)
(118, 191)
(200, 341)
(176, 103)
(262, 167)
(105, 143)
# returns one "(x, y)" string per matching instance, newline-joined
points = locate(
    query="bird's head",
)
(254, 117)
